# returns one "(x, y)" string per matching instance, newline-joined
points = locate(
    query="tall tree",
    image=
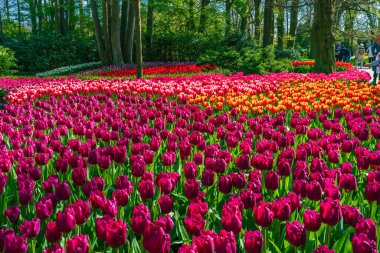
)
(1, 29)
(268, 23)
(107, 28)
(324, 39)
(71, 21)
(245, 15)
(228, 16)
(149, 29)
(203, 16)
(81, 15)
(257, 20)
(128, 52)
(40, 14)
(18, 16)
(62, 19)
(280, 23)
(191, 19)
(33, 14)
(7, 12)
(293, 21)
(117, 56)
(139, 59)
(99, 34)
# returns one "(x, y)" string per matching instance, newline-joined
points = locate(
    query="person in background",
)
(370, 54)
(375, 48)
(338, 53)
(359, 57)
(346, 54)
(376, 67)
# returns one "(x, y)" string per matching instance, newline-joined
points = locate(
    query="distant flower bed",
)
(307, 66)
(111, 68)
(162, 70)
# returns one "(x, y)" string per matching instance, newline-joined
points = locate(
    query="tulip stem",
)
(328, 235)
(265, 239)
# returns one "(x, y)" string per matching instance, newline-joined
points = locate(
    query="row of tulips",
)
(217, 90)
(111, 68)
(161, 70)
(95, 173)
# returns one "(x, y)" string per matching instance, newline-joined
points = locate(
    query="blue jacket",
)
(374, 63)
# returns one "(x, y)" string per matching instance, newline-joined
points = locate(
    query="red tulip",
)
(66, 220)
(78, 243)
(295, 233)
(330, 211)
(362, 244)
(56, 248)
(52, 232)
(116, 233)
(155, 240)
(263, 214)
(12, 213)
(253, 241)
(312, 220)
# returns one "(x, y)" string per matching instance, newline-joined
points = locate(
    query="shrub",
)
(7, 61)
(42, 52)
(248, 60)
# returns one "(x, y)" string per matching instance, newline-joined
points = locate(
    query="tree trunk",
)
(117, 55)
(139, 59)
(72, 16)
(123, 25)
(245, 17)
(1, 30)
(324, 38)
(191, 21)
(62, 20)
(149, 30)
(40, 15)
(18, 16)
(280, 23)
(203, 16)
(257, 21)
(57, 16)
(7, 12)
(268, 23)
(228, 16)
(106, 29)
(81, 15)
(128, 54)
(98, 33)
(349, 32)
(293, 22)
(33, 15)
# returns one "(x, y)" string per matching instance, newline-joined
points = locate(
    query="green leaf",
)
(135, 246)
(273, 246)
(341, 244)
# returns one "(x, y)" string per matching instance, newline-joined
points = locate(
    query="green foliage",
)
(41, 52)
(290, 53)
(248, 60)
(7, 61)
(3, 96)
(70, 69)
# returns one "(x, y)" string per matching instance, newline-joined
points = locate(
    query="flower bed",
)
(161, 70)
(119, 172)
(256, 93)
(307, 66)
(111, 68)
